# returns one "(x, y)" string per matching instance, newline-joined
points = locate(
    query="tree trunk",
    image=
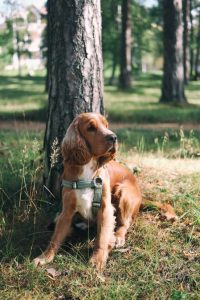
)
(191, 42)
(114, 65)
(47, 40)
(75, 75)
(173, 77)
(126, 45)
(197, 59)
(18, 52)
(186, 40)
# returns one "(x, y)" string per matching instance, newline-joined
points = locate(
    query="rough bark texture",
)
(197, 59)
(191, 42)
(75, 75)
(173, 77)
(48, 45)
(126, 46)
(186, 40)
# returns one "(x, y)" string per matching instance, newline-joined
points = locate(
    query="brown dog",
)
(91, 177)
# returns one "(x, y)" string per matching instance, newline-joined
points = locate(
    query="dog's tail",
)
(166, 209)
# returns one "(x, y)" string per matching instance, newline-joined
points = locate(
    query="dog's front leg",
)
(105, 230)
(62, 229)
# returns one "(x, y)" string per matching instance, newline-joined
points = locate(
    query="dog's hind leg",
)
(129, 198)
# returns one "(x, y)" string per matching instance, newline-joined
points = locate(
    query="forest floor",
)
(160, 260)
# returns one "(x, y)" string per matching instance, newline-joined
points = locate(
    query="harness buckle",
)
(74, 185)
(98, 182)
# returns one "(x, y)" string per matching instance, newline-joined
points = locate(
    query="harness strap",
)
(95, 184)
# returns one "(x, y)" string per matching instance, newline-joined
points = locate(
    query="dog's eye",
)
(91, 127)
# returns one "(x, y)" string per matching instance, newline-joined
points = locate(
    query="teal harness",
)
(96, 184)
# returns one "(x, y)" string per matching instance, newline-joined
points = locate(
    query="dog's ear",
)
(74, 148)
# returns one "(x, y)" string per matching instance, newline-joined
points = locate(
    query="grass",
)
(140, 104)
(160, 259)
(24, 98)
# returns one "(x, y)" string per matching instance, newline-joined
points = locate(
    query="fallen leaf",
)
(123, 250)
(53, 272)
(101, 277)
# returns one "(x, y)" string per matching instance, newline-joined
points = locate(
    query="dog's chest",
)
(84, 197)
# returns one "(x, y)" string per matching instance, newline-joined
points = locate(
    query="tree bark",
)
(47, 44)
(126, 46)
(173, 77)
(75, 75)
(191, 42)
(114, 65)
(186, 40)
(197, 59)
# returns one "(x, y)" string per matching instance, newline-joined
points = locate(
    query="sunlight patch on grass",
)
(160, 164)
(21, 107)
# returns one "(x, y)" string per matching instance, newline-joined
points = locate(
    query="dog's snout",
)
(111, 138)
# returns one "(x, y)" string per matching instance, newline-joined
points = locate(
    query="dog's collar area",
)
(96, 184)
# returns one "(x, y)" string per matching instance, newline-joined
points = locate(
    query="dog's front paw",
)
(43, 259)
(99, 258)
(120, 241)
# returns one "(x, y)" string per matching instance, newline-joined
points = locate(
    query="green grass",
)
(140, 103)
(160, 258)
(24, 98)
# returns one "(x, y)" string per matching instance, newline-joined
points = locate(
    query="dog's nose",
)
(111, 138)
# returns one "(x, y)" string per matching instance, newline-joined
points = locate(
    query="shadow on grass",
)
(17, 94)
(39, 115)
(24, 90)
(28, 238)
(17, 79)
(158, 114)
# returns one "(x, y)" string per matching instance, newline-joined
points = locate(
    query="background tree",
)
(75, 74)
(45, 46)
(111, 26)
(141, 23)
(191, 41)
(186, 40)
(21, 40)
(173, 77)
(6, 43)
(126, 46)
(146, 27)
(197, 59)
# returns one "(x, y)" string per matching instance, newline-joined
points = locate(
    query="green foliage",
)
(111, 27)
(146, 32)
(6, 43)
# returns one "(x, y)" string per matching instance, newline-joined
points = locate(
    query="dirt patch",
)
(30, 125)
(22, 125)
(155, 126)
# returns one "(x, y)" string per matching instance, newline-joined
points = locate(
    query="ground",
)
(160, 259)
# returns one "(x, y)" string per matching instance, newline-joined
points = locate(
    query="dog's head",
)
(88, 136)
